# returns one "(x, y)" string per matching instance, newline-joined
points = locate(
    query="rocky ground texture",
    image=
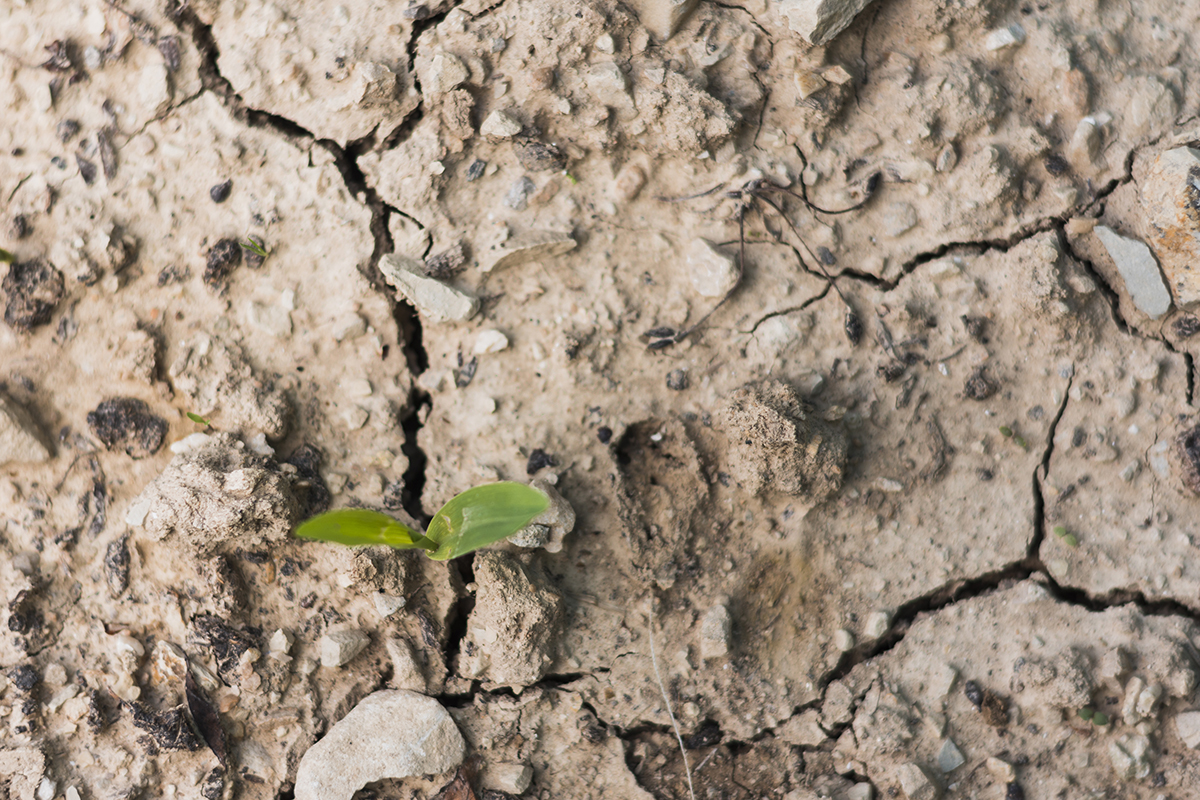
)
(911, 514)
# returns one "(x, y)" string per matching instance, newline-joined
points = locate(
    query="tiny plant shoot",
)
(199, 420)
(254, 247)
(471, 520)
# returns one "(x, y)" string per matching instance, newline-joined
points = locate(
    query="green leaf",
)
(483, 515)
(198, 419)
(1087, 712)
(6, 257)
(1100, 718)
(356, 526)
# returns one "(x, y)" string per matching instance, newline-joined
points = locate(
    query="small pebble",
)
(950, 757)
(220, 192)
(500, 125)
(475, 171)
(339, 648)
(677, 380)
(490, 341)
(518, 194)
(843, 640)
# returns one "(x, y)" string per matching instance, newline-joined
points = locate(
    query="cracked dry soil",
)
(912, 514)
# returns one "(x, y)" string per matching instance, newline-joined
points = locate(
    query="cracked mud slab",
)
(869, 530)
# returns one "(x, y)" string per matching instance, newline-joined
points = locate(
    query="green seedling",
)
(199, 420)
(570, 178)
(1060, 531)
(6, 257)
(1006, 431)
(1086, 713)
(471, 520)
(1100, 719)
(254, 247)
(1069, 539)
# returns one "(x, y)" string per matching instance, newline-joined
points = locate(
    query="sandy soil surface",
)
(858, 342)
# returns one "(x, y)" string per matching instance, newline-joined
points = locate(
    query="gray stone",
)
(518, 194)
(500, 125)
(1173, 220)
(1130, 756)
(715, 631)
(432, 298)
(339, 648)
(664, 17)
(548, 528)
(950, 757)
(818, 21)
(406, 673)
(1187, 725)
(20, 439)
(511, 779)
(713, 273)
(1139, 270)
(915, 782)
(390, 734)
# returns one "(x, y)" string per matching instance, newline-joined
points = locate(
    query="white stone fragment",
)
(818, 21)
(432, 298)
(1130, 756)
(843, 640)
(916, 783)
(387, 604)
(446, 71)
(20, 439)
(490, 341)
(348, 326)
(390, 734)
(1187, 724)
(511, 779)
(950, 757)
(877, 625)
(406, 672)
(339, 648)
(664, 17)
(1139, 270)
(500, 125)
(1004, 37)
(715, 631)
(280, 643)
(713, 273)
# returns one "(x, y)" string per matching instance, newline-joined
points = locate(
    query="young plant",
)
(471, 520)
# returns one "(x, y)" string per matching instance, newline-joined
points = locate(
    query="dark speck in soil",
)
(127, 423)
(116, 565)
(315, 495)
(33, 287)
(539, 459)
(466, 372)
(677, 380)
(538, 156)
(225, 643)
(1187, 447)
(978, 386)
(1014, 792)
(974, 693)
(604, 434)
(708, 734)
(1186, 326)
(976, 327)
(172, 274)
(220, 192)
(475, 171)
(24, 677)
(67, 129)
(1056, 165)
(19, 227)
(87, 169)
(223, 258)
(170, 729)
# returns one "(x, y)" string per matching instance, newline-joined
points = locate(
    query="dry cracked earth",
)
(859, 344)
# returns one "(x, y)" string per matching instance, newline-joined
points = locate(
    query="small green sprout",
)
(1071, 540)
(1006, 431)
(471, 520)
(1100, 719)
(254, 246)
(1060, 531)
(6, 257)
(1087, 712)
(1020, 442)
(570, 178)
(199, 420)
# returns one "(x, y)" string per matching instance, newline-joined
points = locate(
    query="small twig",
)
(667, 700)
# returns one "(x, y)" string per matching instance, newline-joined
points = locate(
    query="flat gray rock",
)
(389, 734)
(1139, 270)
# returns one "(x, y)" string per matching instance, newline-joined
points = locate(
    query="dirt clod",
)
(1187, 449)
(223, 258)
(34, 288)
(116, 566)
(128, 424)
(979, 386)
(538, 460)
(778, 443)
